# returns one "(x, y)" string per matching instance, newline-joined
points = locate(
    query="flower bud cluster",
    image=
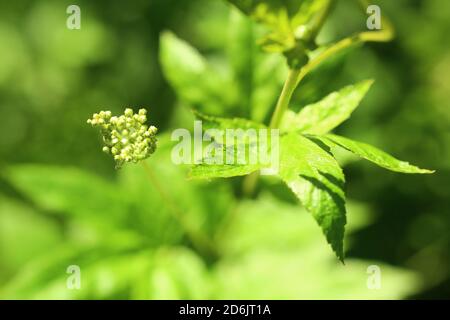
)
(127, 138)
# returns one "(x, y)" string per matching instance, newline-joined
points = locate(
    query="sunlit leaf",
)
(375, 155)
(327, 114)
(316, 179)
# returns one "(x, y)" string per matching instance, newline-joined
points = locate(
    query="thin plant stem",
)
(251, 181)
(384, 35)
(199, 241)
(285, 98)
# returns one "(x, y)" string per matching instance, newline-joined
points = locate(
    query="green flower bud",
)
(126, 137)
(128, 112)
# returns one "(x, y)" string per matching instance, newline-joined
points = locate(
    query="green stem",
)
(285, 98)
(251, 181)
(199, 241)
(384, 35)
(249, 184)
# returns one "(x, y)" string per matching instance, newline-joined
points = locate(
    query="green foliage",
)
(325, 115)
(248, 88)
(23, 234)
(209, 171)
(130, 204)
(61, 202)
(203, 205)
(316, 179)
(196, 81)
(284, 248)
(307, 165)
(281, 239)
(288, 20)
(256, 77)
(67, 190)
(375, 155)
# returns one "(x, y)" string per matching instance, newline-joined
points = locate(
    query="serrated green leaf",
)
(375, 155)
(189, 73)
(317, 180)
(325, 115)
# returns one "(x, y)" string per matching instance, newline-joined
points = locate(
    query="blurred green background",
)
(62, 203)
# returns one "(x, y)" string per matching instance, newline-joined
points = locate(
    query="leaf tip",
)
(166, 34)
(339, 251)
(367, 84)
